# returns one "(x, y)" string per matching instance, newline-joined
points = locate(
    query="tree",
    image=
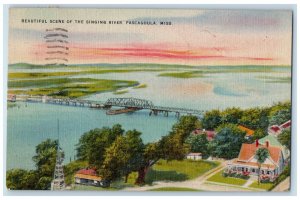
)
(198, 143)
(212, 119)
(227, 142)
(280, 117)
(45, 157)
(261, 156)
(19, 179)
(259, 133)
(116, 157)
(135, 149)
(92, 144)
(231, 115)
(285, 138)
(255, 118)
(168, 147)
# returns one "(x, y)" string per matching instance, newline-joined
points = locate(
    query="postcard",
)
(149, 100)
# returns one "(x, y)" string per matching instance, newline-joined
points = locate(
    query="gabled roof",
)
(272, 141)
(286, 124)
(248, 151)
(89, 174)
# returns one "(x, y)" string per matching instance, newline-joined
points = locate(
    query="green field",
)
(174, 189)
(67, 87)
(178, 170)
(218, 177)
(265, 186)
(190, 74)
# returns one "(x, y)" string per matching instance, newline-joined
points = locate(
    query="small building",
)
(247, 164)
(277, 129)
(89, 177)
(249, 132)
(210, 134)
(11, 97)
(194, 156)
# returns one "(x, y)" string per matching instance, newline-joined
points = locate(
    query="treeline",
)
(254, 118)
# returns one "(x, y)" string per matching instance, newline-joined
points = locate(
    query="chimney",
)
(256, 142)
(267, 144)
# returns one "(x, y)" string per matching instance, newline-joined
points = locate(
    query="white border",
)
(212, 4)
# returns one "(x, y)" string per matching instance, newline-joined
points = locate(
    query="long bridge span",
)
(126, 105)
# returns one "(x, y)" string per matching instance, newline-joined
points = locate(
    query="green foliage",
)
(231, 115)
(280, 117)
(45, 157)
(227, 142)
(285, 138)
(255, 118)
(116, 157)
(212, 119)
(135, 149)
(39, 179)
(173, 146)
(19, 179)
(261, 155)
(198, 143)
(92, 144)
(44, 183)
(259, 133)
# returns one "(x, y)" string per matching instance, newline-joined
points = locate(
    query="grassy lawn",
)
(265, 186)
(175, 189)
(218, 177)
(178, 170)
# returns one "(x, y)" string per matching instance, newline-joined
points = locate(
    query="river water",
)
(31, 123)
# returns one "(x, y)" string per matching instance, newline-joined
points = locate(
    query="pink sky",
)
(196, 37)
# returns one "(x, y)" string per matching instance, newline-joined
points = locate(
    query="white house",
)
(194, 156)
(247, 164)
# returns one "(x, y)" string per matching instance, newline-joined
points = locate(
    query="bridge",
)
(128, 105)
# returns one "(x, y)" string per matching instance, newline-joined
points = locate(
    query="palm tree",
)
(261, 155)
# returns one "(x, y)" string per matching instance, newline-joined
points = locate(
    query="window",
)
(253, 170)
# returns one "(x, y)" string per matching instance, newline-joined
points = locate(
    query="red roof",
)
(248, 151)
(248, 131)
(87, 172)
(286, 124)
(275, 128)
(210, 134)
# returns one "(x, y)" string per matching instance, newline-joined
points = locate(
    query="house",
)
(89, 177)
(210, 134)
(277, 129)
(194, 156)
(247, 164)
(11, 97)
(275, 143)
(249, 132)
